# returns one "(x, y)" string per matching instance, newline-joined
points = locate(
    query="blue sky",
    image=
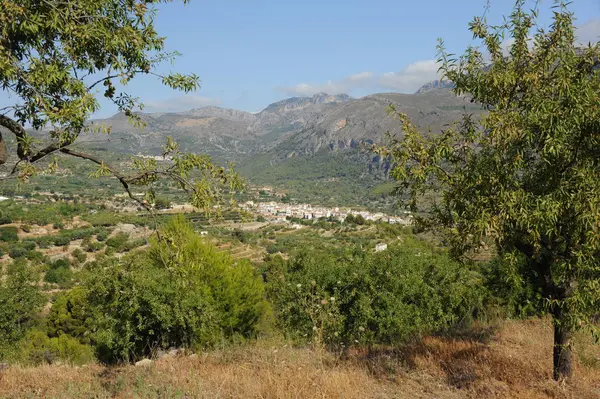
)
(249, 53)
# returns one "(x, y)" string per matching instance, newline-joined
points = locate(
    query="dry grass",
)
(512, 362)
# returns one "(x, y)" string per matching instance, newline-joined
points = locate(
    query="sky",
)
(250, 53)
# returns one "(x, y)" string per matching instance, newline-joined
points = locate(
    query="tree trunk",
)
(563, 355)
(3, 151)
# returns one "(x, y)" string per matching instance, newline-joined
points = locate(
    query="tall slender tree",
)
(525, 176)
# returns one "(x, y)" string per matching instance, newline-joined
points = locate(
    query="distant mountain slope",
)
(310, 145)
(326, 158)
(367, 119)
(435, 85)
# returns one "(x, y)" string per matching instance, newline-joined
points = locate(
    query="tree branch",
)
(18, 131)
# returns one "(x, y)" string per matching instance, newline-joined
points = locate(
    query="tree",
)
(181, 292)
(525, 176)
(20, 303)
(55, 56)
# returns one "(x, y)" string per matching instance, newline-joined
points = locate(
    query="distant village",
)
(277, 211)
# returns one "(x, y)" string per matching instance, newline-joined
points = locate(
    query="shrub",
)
(37, 348)
(94, 246)
(20, 302)
(388, 297)
(102, 235)
(162, 203)
(70, 314)
(183, 292)
(35, 256)
(61, 240)
(17, 252)
(60, 273)
(5, 219)
(8, 234)
(79, 255)
(28, 245)
(118, 241)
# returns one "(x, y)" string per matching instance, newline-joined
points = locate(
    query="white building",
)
(381, 247)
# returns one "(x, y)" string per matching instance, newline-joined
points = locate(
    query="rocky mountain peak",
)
(435, 85)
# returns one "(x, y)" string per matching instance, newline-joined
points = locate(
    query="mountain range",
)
(309, 146)
(293, 127)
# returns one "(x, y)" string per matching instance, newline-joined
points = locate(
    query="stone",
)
(144, 363)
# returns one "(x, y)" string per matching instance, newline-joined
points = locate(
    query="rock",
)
(170, 353)
(3, 366)
(143, 363)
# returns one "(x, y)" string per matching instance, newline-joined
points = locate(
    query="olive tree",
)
(58, 57)
(524, 176)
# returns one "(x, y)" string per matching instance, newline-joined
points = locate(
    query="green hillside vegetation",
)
(326, 177)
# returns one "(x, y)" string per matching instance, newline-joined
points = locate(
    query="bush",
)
(28, 245)
(35, 256)
(8, 234)
(60, 273)
(79, 255)
(5, 219)
(162, 203)
(94, 246)
(367, 298)
(61, 240)
(183, 292)
(17, 252)
(118, 241)
(70, 314)
(20, 303)
(37, 348)
(102, 235)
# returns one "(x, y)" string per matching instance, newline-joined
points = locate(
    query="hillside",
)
(313, 147)
(508, 363)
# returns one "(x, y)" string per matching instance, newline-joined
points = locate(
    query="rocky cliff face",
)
(292, 127)
(435, 85)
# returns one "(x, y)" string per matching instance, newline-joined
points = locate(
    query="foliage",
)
(182, 293)
(79, 255)
(37, 348)
(17, 252)
(8, 234)
(525, 176)
(40, 214)
(162, 203)
(71, 315)
(60, 273)
(59, 57)
(359, 297)
(20, 302)
(118, 241)
(5, 219)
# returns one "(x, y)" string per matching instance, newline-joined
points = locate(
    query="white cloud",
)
(407, 80)
(589, 32)
(410, 78)
(413, 76)
(362, 79)
(180, 103)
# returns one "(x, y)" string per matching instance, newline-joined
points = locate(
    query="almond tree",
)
(525, 176)
(58, 56)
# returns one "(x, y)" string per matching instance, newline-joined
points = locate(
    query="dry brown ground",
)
(512, 362)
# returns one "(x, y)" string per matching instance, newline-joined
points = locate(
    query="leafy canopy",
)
(525, 176)
(58, 57)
